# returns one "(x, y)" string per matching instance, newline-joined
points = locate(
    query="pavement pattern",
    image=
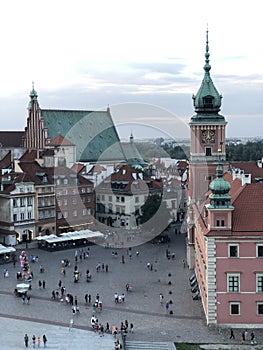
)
(141, 307)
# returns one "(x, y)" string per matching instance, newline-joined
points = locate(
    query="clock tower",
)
(208, 127)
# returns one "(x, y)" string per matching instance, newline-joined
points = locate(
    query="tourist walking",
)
(232, 336)
(34, 341)
(44, 340)
(38, 342)
(26, 340)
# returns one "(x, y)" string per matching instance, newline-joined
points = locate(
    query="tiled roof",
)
(128, 176)
(60, 141)
(249, 168)
(78, 168)
(6, 161)
(11, 138)
(247, 215)
(96, 169)
(93, 133)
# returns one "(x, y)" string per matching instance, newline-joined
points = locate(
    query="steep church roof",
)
(92, 132)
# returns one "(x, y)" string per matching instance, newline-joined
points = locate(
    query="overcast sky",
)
(142, 58)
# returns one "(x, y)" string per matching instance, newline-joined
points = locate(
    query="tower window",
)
(208, 101)
(208, 151)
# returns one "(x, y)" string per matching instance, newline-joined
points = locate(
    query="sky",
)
(142, 58)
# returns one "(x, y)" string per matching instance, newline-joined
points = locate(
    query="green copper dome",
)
(207, 101)
(219, 198)
(219, 185)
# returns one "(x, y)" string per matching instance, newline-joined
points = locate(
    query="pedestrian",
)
(76, 301)
(71, 324)
(28, 299)
(44, 340)
(131, 327)
(86, 298)
(4, 272)
(38, 342)
(252, 338)
(23, 298)
(232, 336)
(53, 297)
(26, 340)
(44, 284)
(89, 298)
(34, 341)
(167, 304)
(107, 328)
(106, 268)
(39, 284)
(243, 337)
(161, 298)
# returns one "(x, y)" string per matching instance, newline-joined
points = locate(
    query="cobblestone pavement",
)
(141, 307)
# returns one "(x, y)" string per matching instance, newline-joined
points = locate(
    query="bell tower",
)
(207, 140)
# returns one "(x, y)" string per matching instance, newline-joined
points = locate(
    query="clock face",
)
(208, 136)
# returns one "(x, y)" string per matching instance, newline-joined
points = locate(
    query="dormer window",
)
(208, 102)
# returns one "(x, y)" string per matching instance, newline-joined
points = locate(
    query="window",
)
(22, 216)
(65, 192)
(260, 308)
(59, 216)
(83, 190)
(117, 199)
(14, 202)
(220, 223)
(235, 308)
(84, 211)
(65, 214)
(110, 198)
(46, 202)
(74, 191)
(233, 251)
(29, 200)
(74, 201)
(137, 199)
(88, 199)
(123, 199)
(65, 181)
(89, 211)
(52, 213)
(259, 251)
(259, 282)
(208, 177)
(65, 202)
(46, 214)
(29, 215)
(22, 202)
(88, 190)
(233, 281)
(208, 151)
(15, 217)
(75, 213)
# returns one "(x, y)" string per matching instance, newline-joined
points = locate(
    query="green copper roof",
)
(219, 198)
(207, 101)
(92, 132)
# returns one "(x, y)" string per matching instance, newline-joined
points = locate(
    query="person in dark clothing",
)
(232, 336)
(26, 340)
(44, 340)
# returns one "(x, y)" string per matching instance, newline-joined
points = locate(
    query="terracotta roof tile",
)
(247, 215)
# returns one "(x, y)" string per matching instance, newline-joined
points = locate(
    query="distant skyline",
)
(143, 59)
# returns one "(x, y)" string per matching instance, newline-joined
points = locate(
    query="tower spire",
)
(207, 66)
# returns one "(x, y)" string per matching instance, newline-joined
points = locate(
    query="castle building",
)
(225, 226)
